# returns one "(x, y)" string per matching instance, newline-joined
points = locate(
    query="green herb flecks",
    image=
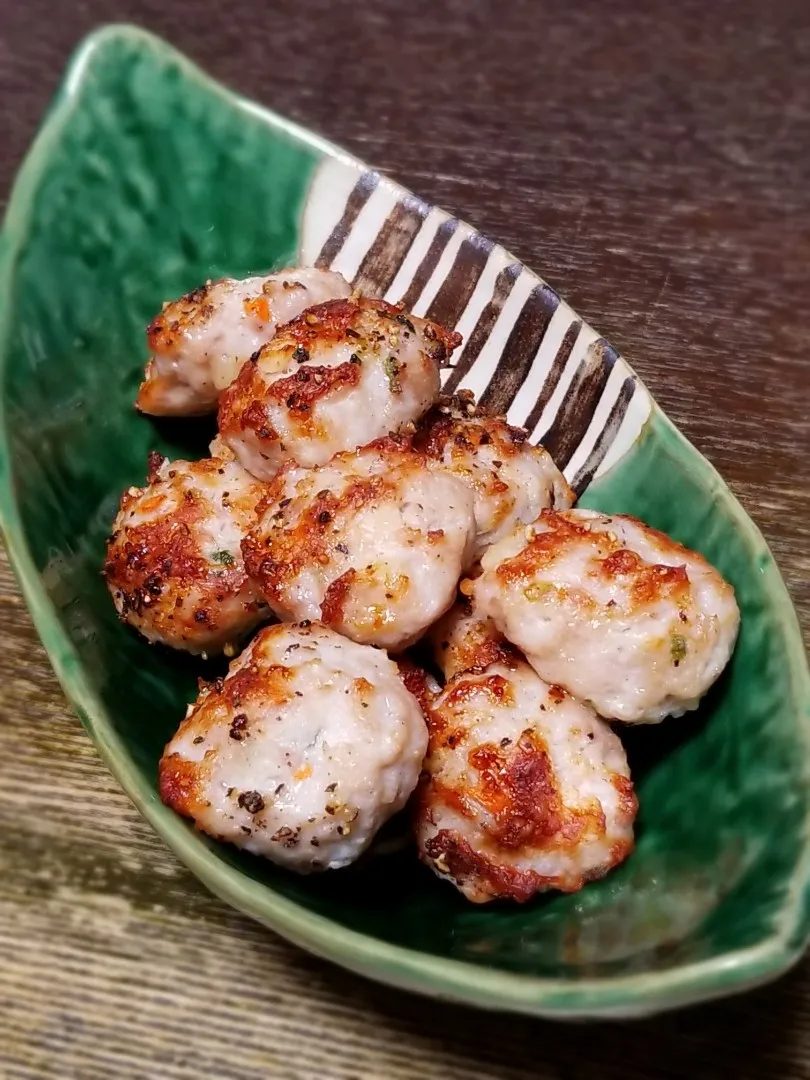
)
(224, 558)
(677, 648)
(538, 590)
(391, 369)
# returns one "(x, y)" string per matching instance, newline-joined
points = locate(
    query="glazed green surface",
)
(147, 180)
(154, 185)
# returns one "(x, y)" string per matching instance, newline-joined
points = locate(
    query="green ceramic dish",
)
(148, 178)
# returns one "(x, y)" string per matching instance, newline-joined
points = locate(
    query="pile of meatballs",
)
(351, 511)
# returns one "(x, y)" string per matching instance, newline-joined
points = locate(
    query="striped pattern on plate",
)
(525, 352)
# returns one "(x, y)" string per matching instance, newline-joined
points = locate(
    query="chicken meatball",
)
(337, 377)
(300, 754)
(174, 564)
(512, 481)
(371, 544)
(617, 613)
(199, 342)
(524, 788)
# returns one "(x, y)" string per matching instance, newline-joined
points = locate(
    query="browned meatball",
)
(174, 564)
(372, 543)
(199, 342)
(511, 480)
(339, 376)
(524, 788)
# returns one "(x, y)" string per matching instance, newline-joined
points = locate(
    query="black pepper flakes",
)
(238, 728)
(300, 354)
(153, 584)
(251, 801)
(286, 836)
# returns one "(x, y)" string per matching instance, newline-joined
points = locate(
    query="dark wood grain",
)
(652, 161)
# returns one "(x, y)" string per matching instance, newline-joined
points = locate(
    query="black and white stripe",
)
(525, 352)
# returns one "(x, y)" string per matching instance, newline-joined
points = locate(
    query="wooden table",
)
(652, 161)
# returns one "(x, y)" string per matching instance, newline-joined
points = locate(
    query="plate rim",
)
(634, 994)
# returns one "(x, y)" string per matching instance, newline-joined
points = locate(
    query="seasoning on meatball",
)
(371, 544)
(339, 376)
(199, 342)
(617, 613)
(174, 564)
(512, 481)
(524, 788)
(463, 640)
(300, 754)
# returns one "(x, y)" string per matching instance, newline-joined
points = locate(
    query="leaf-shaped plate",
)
(147, 178)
